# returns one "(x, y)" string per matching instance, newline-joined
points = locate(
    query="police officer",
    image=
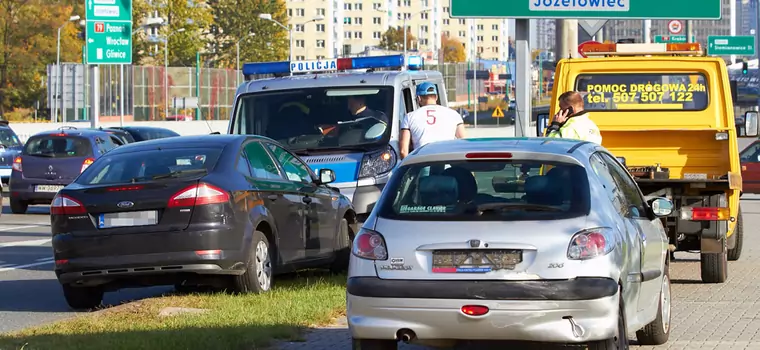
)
(572, 122)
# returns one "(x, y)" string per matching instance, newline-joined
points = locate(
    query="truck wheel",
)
(714, 267)
(736, 252)
(658, 331)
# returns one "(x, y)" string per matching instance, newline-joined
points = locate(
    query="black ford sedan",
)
(229, 211)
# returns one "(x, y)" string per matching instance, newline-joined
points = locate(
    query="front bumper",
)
(519, 310)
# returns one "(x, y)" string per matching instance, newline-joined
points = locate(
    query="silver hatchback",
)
(532, 239)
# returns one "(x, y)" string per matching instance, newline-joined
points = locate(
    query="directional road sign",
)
(731, 45)
(109, 31)
(673, 38)
(597, 9)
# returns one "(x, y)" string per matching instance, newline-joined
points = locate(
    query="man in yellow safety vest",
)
(572, 122)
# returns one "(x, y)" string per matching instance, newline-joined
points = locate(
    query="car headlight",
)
(378, 163)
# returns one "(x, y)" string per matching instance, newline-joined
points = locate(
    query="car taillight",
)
(370, 245)
(591, 243)
(17, 164)
(198, 195)
(65, 205)
(125, 188)
(704, 213)
(87, 162)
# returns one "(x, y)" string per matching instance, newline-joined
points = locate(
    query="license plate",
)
(5, 172)
(47, 188)
(131, 218)
(475, 260)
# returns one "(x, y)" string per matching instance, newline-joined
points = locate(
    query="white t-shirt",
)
(431, 123)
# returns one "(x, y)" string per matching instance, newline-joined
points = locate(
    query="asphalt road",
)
(29, 292)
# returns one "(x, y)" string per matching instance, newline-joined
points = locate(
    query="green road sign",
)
(109, 31)
(109, 42)
(731, 45)
(672, 39)
(599, 9)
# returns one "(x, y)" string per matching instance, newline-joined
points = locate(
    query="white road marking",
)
(25, 243)
(50, 258)
(19, 227)
(11, 268)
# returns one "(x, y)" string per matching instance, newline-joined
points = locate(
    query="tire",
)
(257, 277)
(658, 331)
(342, 255)
(373, 344)
(617, 342)
(18, 206)
(714, 267)
(83, 298)
(736, 252)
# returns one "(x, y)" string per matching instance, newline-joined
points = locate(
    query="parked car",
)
(119, 137)
(750, 161)
(144, 133)
(497, 239)
(10, 147)
(51, 160)
(218, 210)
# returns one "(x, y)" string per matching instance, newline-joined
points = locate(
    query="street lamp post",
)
(406, 29)
(268, 17)
(166, 70)
(54, 115)
(237, 60)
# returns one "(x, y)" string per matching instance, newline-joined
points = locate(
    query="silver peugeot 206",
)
(526, 239)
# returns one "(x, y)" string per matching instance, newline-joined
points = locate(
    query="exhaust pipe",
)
(406, 335)
(578, 331)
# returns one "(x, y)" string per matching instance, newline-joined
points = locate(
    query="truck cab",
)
(341, 114)
(666, 112)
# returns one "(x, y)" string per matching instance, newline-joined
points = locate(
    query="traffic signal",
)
(745, 68)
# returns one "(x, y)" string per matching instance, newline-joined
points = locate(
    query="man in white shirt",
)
(430, 123)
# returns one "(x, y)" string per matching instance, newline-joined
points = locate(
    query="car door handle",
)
(307, 200)
(273, 197)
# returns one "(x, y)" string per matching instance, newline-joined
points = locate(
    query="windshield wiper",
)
(517, 206)
(180, 173)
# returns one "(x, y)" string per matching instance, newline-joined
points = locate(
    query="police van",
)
(341, 114)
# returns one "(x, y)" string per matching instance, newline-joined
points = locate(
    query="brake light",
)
(591, 243)
(369, 245)
(125, 188)
(704, 214)
(59, 134)
(200, 194)
(65, 205)
(488, 155)
(17, 164)
(87, 162)
(474, 310)
(641, 49)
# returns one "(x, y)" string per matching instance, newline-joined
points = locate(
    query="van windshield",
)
(318, 118)
(643, 91)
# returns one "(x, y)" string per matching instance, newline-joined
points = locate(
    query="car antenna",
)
(211, 129)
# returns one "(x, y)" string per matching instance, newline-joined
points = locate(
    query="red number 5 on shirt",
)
(430, 117)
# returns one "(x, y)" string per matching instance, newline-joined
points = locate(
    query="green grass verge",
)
(234, 322)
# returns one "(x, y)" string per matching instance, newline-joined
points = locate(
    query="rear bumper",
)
(150, 258)
(24, 189)
(529, 311)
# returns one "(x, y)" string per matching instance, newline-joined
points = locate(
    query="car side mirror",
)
(326, 176)
(661, 206)
(542, 122)
(750, 124)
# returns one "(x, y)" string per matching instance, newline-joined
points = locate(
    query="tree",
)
(140, 45)
(453, 50)
(192, 16)
(28, 34)
(235, 19)
(393, 39)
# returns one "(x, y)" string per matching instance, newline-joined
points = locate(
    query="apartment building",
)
(746, 18)
(354, 27)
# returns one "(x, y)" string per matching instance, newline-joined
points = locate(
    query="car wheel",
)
(620, 340)
(658, 332)
(374, 344)
(736, 252)
(342, 255)
(257, 277)
(82, 298)
(713, 267)
(18, 206)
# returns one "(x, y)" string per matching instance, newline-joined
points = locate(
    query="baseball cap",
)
(426, 88)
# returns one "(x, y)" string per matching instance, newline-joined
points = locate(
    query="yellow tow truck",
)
(666, 112)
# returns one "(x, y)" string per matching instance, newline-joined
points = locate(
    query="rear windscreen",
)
(150, 165)
(649, 91)
(53, 146)
(487, 190)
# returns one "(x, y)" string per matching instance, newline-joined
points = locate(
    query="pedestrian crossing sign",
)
(497, 113)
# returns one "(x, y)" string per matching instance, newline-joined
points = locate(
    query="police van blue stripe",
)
(344, 171)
